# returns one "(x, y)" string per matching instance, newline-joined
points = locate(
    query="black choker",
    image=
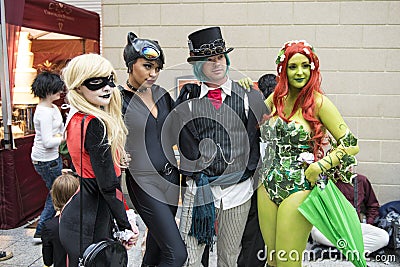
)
(130, 86)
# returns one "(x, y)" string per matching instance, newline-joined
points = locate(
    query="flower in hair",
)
(281, 56)
(290, 43)
(306, 51)
(312, 66)
(307, 44)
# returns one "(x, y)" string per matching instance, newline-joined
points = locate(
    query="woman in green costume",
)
(294, 135)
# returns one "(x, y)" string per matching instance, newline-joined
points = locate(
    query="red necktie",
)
(215, 97)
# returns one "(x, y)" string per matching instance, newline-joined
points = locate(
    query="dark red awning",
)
(54, 16)
(14, 11)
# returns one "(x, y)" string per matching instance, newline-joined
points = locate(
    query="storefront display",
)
(22, 191)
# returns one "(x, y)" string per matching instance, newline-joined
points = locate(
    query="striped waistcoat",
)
(224, 144)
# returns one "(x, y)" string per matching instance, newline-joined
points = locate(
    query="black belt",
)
(167, 170)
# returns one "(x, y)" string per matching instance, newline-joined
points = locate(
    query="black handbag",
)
(108, 252)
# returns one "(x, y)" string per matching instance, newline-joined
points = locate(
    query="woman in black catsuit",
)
(152, 179)
(95, 101)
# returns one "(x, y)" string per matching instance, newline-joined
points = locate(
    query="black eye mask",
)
(96, 83)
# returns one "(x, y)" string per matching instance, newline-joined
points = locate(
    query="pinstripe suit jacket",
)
(188, 136)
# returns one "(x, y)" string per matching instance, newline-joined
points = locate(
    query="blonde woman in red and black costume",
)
(94, 100)
(301, 117)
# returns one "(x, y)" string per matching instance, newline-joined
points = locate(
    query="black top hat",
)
(206, 43)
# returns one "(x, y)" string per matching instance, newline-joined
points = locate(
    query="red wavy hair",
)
(305, 100)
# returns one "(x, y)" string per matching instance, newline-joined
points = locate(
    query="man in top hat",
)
(219, 151)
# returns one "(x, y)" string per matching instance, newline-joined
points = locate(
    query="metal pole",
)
(5, 81)
(83, 46)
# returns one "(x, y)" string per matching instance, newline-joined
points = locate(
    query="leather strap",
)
(80, 190)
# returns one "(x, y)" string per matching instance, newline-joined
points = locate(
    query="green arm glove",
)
(246, 83)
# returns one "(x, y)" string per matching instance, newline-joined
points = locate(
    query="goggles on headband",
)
(146, 49)
(97, 83)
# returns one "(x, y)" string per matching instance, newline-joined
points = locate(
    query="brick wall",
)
(358, 43)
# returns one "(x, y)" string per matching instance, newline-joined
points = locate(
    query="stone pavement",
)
(26, 253)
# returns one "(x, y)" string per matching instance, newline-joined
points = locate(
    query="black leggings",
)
(164, 245)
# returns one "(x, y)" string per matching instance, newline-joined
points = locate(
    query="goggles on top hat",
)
(214, 48)
(205, 43)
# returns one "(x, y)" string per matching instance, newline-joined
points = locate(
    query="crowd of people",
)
(239, 147)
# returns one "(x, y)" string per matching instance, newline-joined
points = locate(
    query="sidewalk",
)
(26, 253)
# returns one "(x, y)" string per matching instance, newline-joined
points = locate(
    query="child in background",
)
(64, 187)
(49, 126)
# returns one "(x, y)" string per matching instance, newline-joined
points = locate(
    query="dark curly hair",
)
(47, 83)
(267, 83)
